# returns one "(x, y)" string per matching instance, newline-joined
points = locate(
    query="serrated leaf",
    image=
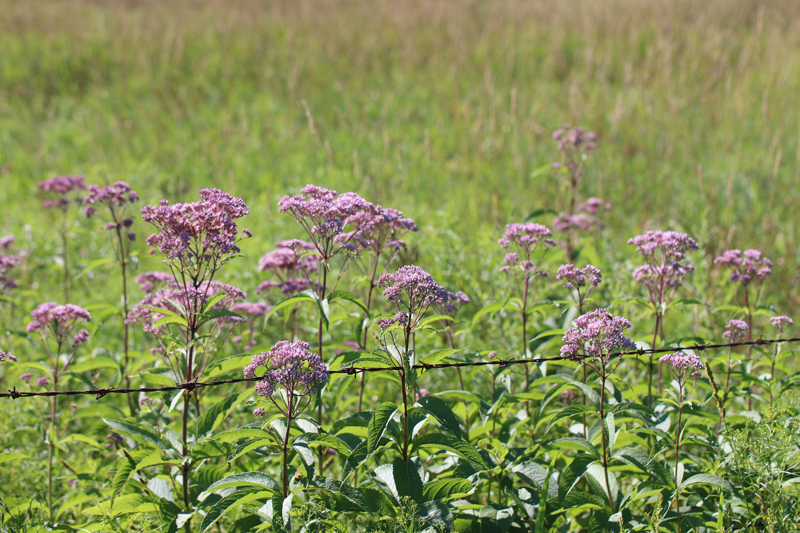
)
(439, 409)
(240, 497)
(125, 467)
(406, 479)
(568, 412)
(137, 432)
(708, 479)
(441, 441)
(244, 479)
(444, 489)
(206, 422)
(378, 424)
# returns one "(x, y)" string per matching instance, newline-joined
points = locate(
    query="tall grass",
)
(444, 106)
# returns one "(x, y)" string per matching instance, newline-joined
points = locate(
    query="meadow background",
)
(444, 110)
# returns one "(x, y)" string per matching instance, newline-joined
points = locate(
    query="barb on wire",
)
(352, 370)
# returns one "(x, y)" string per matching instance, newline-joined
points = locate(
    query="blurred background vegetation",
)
(442, 109)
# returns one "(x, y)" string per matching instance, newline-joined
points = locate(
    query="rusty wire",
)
(353, 370)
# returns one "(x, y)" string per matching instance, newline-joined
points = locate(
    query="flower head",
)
(411, 289)
(26, 377)
(596, 334)
(289, 365)
(150, 281)
(664, 269)
(114, 197)
(199, 232)
(41, 382)
(524, 239)
(735, 330)
(579, 277)
(451, 304)
(781, 322)
(58, 322)
(61, 187)
(323, 213)
(682, 361)
(745, 267)
(7, 357)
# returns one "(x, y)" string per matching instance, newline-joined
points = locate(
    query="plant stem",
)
(366, 330)
(677, 455)
(123, 262)
(603, 433)
(650, 366)
(286, 450)
(65, 256)
(525, 340)
(322, 289)
(186, 467)
(405, 393)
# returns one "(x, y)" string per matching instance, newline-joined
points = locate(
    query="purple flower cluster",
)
(781, 322)
(289, 365)
(682, 361)
(683, 365)
(451, 304)
(323, 214)
(150, 281)
(7, 242)
(7, 263)
(735, 330)
(574, 139)
(59, 321)
(579, 277)
(745, 266)
(379, 229)
(291, 262)
(411, 289)
(7, 357)
(197, 233)
(664, 269)
(114, 197)
(596, 335)
(61, 187)
(524, 239)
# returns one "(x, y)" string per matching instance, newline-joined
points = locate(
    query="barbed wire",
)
(353, 370)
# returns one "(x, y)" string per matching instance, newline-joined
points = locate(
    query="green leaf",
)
(290, 301)
(9, 457)
(94, 264)
(611, 430)
(541, 517)
(441, 441)
(439, 409)
(100, 361)
(574, 443)
(170, 320)
(206, 423)
(240, 497)
(488, 309)
(378, 424)
(436, 357)
(447, 488)
(137, 432)
(568, 412)
(407, 479)
(244, 479)
(708, 479)
(344, 295)
(125, 467)
(214, 314)
(596, 477)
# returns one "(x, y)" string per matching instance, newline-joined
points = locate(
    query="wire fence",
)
(353, 370)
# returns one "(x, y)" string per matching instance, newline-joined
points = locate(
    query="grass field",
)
(444, 109)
